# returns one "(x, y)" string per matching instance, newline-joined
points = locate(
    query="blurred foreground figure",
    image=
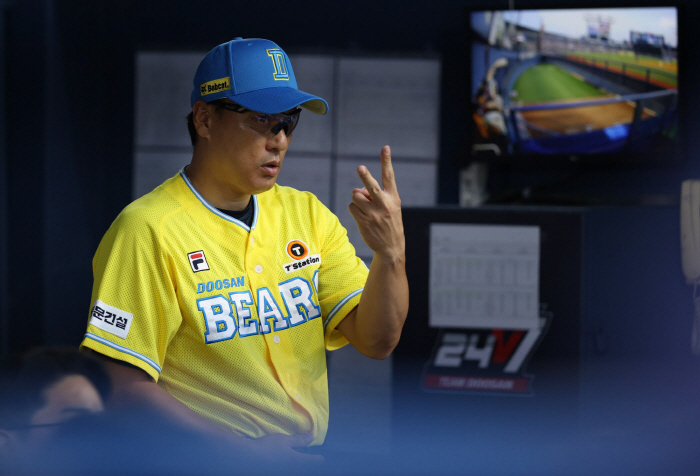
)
(53, 421)
(41, 390)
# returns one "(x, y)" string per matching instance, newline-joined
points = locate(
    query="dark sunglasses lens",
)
(288, 123)
(292, 123)
(278, 127)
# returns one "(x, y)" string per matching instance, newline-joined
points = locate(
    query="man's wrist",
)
(394, 258)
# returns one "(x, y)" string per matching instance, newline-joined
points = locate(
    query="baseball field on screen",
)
(548, 83)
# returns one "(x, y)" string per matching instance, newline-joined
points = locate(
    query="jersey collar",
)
(218, 213)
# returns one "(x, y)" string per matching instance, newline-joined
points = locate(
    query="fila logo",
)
(297, 249)
(281, 72)
(198, 261)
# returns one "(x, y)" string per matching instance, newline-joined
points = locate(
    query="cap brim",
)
(276, 100)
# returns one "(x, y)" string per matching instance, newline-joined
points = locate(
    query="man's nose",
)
(279, 141)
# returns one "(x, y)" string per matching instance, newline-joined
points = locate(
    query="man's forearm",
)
(132, 387)
(374, 327)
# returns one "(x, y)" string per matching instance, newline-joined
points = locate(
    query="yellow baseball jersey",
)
(232, 320)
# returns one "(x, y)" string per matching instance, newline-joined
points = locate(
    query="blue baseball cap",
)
(255, 74)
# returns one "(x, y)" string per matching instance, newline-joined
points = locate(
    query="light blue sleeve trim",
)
(215, 210)
(118, 347)
(338, 306)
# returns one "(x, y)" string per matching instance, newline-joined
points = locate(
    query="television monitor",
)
(596, 84)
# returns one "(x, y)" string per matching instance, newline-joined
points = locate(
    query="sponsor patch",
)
(198, 261)
(110, 319)
(215, 86)
(297, 249)
(300, 264)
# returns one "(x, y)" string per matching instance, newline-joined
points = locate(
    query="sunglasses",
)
(268, 125)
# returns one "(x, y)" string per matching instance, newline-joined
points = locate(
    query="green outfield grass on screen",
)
(548, 82)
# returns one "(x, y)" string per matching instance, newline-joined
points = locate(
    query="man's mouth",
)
(271, 168)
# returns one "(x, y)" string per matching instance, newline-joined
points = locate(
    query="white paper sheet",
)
(484, 276)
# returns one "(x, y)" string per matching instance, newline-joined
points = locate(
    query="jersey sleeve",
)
(134, 312)
(341, 278)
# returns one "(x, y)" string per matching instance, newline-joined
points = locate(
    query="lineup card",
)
(484, 276)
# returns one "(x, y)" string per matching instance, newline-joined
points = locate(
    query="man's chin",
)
(267, 185)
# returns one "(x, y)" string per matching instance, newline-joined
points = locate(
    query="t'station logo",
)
(299, 252)
(297, 249)
(198, 261)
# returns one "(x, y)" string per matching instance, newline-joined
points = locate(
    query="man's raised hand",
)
(377, 210)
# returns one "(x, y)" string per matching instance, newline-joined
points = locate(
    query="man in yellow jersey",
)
(216, 295)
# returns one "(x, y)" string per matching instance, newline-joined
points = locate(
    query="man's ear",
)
(201, 117)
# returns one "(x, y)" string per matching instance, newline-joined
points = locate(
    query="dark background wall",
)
(67, 116)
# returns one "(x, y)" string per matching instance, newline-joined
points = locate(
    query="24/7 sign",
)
(483, 360)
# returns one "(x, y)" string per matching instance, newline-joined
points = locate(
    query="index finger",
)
(388, 178)
(371, 185)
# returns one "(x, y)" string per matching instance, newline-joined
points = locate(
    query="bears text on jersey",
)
(226, 316)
